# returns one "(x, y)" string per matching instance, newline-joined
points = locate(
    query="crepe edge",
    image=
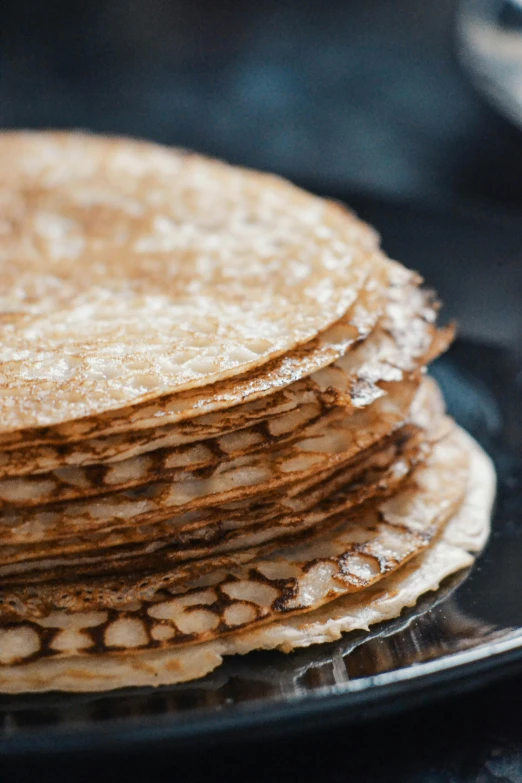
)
(465, 535)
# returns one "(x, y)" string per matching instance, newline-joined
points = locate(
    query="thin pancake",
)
(255, 384)
(183, 550)
(355, 550)
(389, 348)
(205, 527)
(355, 380)
(197, 272)
(138, 666)
(329, 443)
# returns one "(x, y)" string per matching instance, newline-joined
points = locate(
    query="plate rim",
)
(232, 722)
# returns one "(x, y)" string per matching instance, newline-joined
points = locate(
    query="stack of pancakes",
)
(216, 430)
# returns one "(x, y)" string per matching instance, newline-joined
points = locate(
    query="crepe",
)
(233, 525)
(198, 545)
(179, 249)
(169, 665)
(405, 339)
(216, 429)
(354, 381)
(322, 446)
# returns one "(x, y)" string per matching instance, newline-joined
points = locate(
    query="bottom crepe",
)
(423, 535)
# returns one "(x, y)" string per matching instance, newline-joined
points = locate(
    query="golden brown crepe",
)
(216, 433)
(134, 660)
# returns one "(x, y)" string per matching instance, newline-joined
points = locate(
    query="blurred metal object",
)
(489, 45)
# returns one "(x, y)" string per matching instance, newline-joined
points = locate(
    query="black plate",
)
(467, 632)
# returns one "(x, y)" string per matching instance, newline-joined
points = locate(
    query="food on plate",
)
(216, 429)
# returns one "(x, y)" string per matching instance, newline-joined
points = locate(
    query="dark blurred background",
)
(364, 100)
(364, 95)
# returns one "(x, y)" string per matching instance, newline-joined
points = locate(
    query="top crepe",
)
(131, 271)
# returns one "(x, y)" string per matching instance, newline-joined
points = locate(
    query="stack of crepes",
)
(216, 430)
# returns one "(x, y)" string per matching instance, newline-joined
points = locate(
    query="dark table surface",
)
(361, 97)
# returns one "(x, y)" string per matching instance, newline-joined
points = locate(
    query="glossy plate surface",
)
(467, 632)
